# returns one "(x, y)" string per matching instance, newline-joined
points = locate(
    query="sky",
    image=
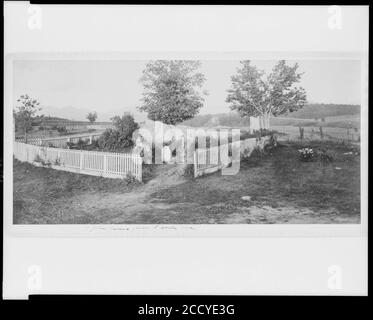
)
(70, 88)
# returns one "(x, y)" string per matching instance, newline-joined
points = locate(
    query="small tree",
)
(92, 116)
(25, 113)
(120, 137)
(254, 95)
(171, 90)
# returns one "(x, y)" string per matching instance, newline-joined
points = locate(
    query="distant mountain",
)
(79, 114)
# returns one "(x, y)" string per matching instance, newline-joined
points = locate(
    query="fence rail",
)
(208, 160)
(60, 142)
(105, 164)
(315, 133)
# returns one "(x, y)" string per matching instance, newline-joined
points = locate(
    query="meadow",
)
(274, 187)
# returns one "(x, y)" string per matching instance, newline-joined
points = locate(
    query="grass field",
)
(282, 188)
(343, 121)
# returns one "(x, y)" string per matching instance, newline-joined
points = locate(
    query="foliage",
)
(81, 143)
(62, 130)
(130, 179)
(120, 137)
(324, 156)
(25, 112)
(70, 145)
(43, 162)
(92, 116)
(307, 154)
(171, 90)
(253, 94)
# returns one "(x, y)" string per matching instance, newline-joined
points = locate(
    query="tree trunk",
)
(261, 122)
(264, 121)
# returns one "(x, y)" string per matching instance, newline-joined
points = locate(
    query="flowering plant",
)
(307, 154)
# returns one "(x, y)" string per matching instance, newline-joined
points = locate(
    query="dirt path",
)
(136, 206)
(141, 207)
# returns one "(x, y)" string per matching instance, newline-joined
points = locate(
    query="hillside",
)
(313, 111)
(338, 113)
(229, 119)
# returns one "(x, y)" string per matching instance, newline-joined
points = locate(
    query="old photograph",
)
(202, 152)
(249, 141)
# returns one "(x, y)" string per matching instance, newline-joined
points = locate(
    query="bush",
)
(62, 130)
(120, 138)
(78, 145)
(189, 170)
(324, 156)
(81, 143)
(307, 154)
(40, 160)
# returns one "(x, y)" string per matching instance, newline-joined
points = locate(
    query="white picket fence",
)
(105, 164)
(208, 160)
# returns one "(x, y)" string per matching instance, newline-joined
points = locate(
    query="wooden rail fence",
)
(61, 142)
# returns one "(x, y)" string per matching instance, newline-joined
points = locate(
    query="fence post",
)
(140, 168)
(105, 163)
(321, 133)
(195, 163)
(81, 160)
(301, 133)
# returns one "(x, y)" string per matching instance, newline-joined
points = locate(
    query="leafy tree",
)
(92, 116)
(172, 90)
(253, 94)
(120, 137)
(25, 113)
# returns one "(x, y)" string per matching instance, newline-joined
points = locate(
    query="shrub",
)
(307, 154)
(324, 156)
(81, 143)
(43, 162)
(129, 178)
(62, 130)
(69, 144)
(119, 138)
(189, 170)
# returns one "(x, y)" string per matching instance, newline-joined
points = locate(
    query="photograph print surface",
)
(186, 141)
